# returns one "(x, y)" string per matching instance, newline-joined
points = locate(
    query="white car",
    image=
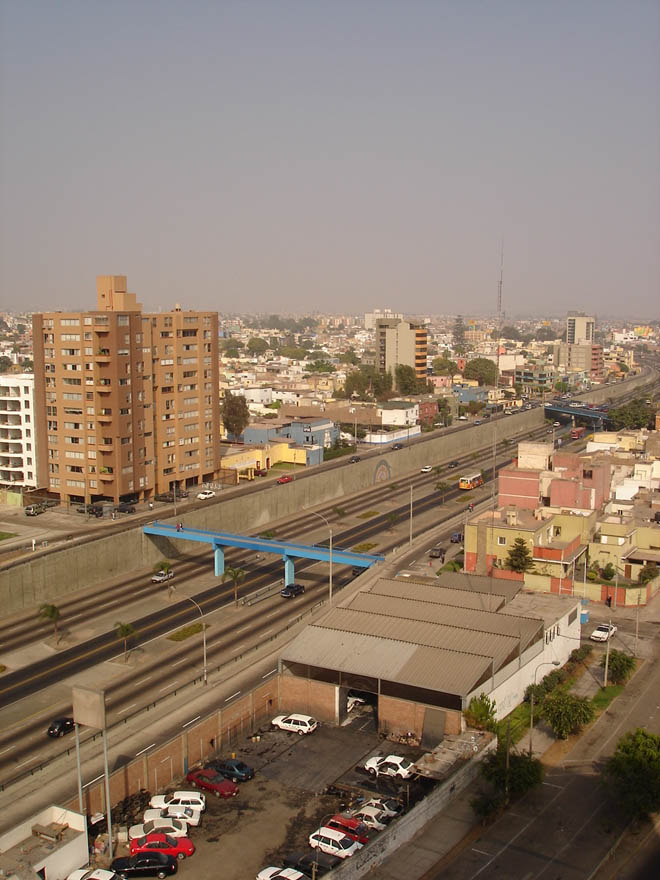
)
(187, 814)
(556, 424)
(603, 632)
(173, 827)
(280, 874)
(161, 577)
(296, 723)
(207, 493)
(92, 874)
(193, 799)
(372, 818)
(353, 701)
(426, 469)
(463, 419)
(392, 765)
(334, 842)
(389, 806)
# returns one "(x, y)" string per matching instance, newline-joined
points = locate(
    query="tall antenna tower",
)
(499, 311)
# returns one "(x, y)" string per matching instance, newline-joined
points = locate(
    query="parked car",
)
(426, 469)
(92, 874)
(462, 418)
(390, 806)
(437, 552)
(285, 479)
(261, 472)
(155, 864)
(232, 769)
(350, 826)
(193, 799)
(160, 577)
(60, 726)
(453, 464)
(295, 723)
(456, 538)
(373, 818)
(556, 424)
(354, 700)
(292, 590)
(397, 446)
(603, 632)
(272, 873)
(207, 493)
(311, 864)
(334, 842)
(392, 765)
(189, 815)
(353, 459)
(177, 847)
(168, 497)
(35, 509)
(173, 827)
(126, 507)
(212, 782)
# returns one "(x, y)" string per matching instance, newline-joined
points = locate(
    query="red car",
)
(177, 847)
(211, 780)
(353, 828)
(285, 479)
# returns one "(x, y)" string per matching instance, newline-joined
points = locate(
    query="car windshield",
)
(345, 843)
(170, 841)
(239, 765)
(148, 827)
(602, 628)
(405, 764)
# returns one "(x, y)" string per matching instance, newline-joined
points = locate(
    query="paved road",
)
(563, 830)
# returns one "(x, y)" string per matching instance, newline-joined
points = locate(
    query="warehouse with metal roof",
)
(418, 647)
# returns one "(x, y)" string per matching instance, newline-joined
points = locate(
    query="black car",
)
(453, 464)
(397, 446)
(292, 590)
(232, 769)
(125, 507)
(456, 538)
(151, 864)
(437, 553)
(309, 862)
(353, 459)
(60, 726)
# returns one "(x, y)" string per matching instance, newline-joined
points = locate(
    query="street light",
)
(320, 516)
(203, 633)
(531, 702)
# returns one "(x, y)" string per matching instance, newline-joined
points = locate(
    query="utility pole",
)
(637, 620)
(499, 312)
(607, 654)
(411, 515)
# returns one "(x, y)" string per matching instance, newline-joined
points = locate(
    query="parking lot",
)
(274, 813)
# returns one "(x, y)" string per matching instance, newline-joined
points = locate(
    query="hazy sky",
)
(335, 155)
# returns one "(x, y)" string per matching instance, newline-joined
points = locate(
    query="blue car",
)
(232, 769)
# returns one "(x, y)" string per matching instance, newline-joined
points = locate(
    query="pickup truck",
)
(160, 577)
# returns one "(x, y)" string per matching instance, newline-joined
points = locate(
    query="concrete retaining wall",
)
(57, 572)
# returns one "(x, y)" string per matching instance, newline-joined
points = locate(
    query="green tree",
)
(235, 413)
(256, 345)
(619, 667)
(124, 631)
(444, 366)
(519, 557)
(481, 369)
(237, 575)
(562, 387)
(633, 772)
(405, 378)
(393, 519)
(481, 712)
(51, 614)
(458, 333)
(349, 357)
(566, 713)
(443, 487)
(230, 342)
(295, 352)
(319, 367)
(5, 363)
(523, 773)
(608, 572)
(636, 414)
(544, 334)
(648, 573)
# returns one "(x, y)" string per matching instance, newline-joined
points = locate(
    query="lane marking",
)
(142, 681)
(137, 754)
(176, 681)
(178, 662)
(232, 696)
(263, 676)
(242, 629)
(481, 851)
(192, 721)
(7, 750)
(268, 631)
(132, 706)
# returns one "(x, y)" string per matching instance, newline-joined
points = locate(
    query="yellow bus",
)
(470, 481)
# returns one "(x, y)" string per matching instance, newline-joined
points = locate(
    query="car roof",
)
(331, 832)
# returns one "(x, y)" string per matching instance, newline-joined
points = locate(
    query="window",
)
(501, 541)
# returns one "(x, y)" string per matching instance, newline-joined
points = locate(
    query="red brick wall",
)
(315, 698)
(400, 716)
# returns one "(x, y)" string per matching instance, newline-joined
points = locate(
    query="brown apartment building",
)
(127, 402)
(401, 342)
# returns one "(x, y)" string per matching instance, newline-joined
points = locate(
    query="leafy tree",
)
(295, 352)
(648, 573)
(5, 363)
(474, 406)
(123, 632)
(235, 413)
(481, 712)
(406, 379)
(459, 336)
(619, 666)
(633, 772)
(481, 369)
(562, 387)
(566, 713)
(237, 575)
(510, 332)
(349, 357)
(256, 345)
(608, 572)
(523, 774)
(444, 366)
(52, 614)
(519, 557)
(319, 367)
(544, 334)
(232, 352)
(636, 414)
(623, 367)
(443, 487)
(230, 342)
(393, 519)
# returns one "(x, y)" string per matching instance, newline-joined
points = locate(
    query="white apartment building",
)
(18, 451)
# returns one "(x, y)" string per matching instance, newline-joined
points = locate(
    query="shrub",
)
(620, 666)
(566, 713)
(481, 712)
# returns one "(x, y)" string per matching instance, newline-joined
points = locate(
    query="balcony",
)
(102, 356)
(104, 415)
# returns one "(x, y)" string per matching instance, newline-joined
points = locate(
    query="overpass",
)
(287, 549)
(595, 418)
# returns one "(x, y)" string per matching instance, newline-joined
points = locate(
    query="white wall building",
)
(18, 450)
(51, 844)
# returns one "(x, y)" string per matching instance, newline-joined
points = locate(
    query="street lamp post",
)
(320, 516)
(531, 702)
(201, 613)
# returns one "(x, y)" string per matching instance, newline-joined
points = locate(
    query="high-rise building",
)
(401, 342)
(18, 440)
(127, 403)
(579, 328)
(370, 318)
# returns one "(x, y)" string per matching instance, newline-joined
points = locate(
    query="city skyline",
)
(279, 158)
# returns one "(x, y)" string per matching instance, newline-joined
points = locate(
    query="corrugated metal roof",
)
(404, 589)
(418, 666)
(421, 632)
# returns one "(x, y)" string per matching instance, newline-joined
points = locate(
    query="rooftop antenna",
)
(499, 311)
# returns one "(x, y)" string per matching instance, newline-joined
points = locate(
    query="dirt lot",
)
(275, 812)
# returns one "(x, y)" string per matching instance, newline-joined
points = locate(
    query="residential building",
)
(587, 358)
(579, 328)
(371, 318)
(18, 441)
(127, 403)
(533, 377)
(401, 342)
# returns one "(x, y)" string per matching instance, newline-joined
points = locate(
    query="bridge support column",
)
(289, 571)
(219, 554)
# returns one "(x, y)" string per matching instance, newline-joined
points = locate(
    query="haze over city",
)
(293, 157)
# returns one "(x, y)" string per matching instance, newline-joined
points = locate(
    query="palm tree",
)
(52, 614)
(237, 575)
(124, 631)
(392, 519)
(442, 487)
